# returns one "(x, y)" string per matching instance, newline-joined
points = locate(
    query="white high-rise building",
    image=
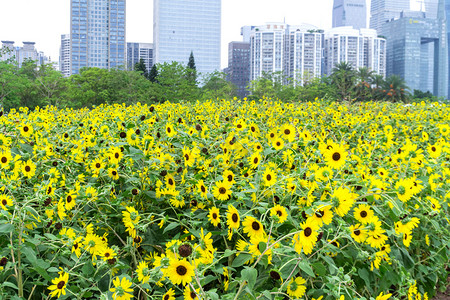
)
(25, 53)
(303, 53)
(64, 55)
(360, 48)
(349, 13)
(267, 49)
(184, 26)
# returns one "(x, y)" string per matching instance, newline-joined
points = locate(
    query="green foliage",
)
(175, 83)
(216, 86)
(153, 74)
(140, 67)
(192, 69)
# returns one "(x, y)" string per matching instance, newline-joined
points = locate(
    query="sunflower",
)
(59, 285)
(202, 189)
(254, 160)
(170, 131)
(278, 143)
(143, 272)
(280, 213)
(383, 297)
(190, 295)
(112, 172)
(169, 295)
(26, 130)
(358, 233)
(252, 227)
(323, 215)
(28, 168)
(5, 159)
(228, 176)
(288, 132)
(222, 190)
(214, 216)
(180, 271)
(269, 177)
(335, 156)
(343, 200)
(363, 213)
(70, 200)
(121, 289)
(233, 219)
(108, 254)
(296, 287)
(307, 238)
(5, 201)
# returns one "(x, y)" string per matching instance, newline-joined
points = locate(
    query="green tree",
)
(363, 88)
(343, 78)
(395, 89)
(174, 83)
(272, 85)
(9, 82)
(153, 75)
(140, 67)
(192, 69)
(216, 86)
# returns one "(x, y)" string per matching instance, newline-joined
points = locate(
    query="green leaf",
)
(171, 226)
(249, 275)
(364, 274)
(87, 269)
(241, 259)
(10, 284)
(262, 246)
(306, 267)
(319, 268)
(6, 228)
(228, 252)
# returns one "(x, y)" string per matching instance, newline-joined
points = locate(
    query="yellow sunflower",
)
(280, 212)
(233, 219)
(121, 289)
(222, 190)
(269, 177)
(214, 216)
(59, 285)
(180, 271)
(252, 227)
(296, 287)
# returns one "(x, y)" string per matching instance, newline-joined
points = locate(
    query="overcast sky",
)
(43, 21)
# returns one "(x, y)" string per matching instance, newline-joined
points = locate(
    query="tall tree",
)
(140, 67)
(153, 75)
(395, 89)
(192, 69)
(343, 77)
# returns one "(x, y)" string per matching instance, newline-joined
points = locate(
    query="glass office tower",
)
(97, 34)
(182, 26)
(384, 10)
(349, 13)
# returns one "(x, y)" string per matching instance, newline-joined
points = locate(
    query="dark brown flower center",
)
(319, 213)
(275, 275)
(27, 168)
(214, 216)
(287, 131)
(363, 214)
(256, 226)
(166, 297)
(234, 217)
(433, 149)
(61, 284)
(308, 231)
(336, 156)
(181, 270)
(185, 250)
(222, 190)
(279, 213)
(116, 155)
(268, 177)
(193, 295)
(4, 202)
(123, 134)
(255, 160)
(25, 128)
(230, 177)
(114, 173)
(170, 181)
(98, 165)
(4, 160)
(69, 199)
(169, 130)
(357, 232)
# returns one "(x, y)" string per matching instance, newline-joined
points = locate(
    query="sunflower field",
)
(225, 200)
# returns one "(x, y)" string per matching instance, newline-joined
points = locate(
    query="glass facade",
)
(238, 70)
(349, 13)
(138, 51)
(418, 52)
(382, 11)
(182, 26)
(97, 34)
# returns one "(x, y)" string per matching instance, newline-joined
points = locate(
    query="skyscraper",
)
(447, 19)
(384, 10)
(97, 34)
(184, 26)
(350, 13)
(418, 52)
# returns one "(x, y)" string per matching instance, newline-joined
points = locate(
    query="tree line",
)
(31, 86)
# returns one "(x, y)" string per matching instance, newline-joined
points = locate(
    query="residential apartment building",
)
(64, 55)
